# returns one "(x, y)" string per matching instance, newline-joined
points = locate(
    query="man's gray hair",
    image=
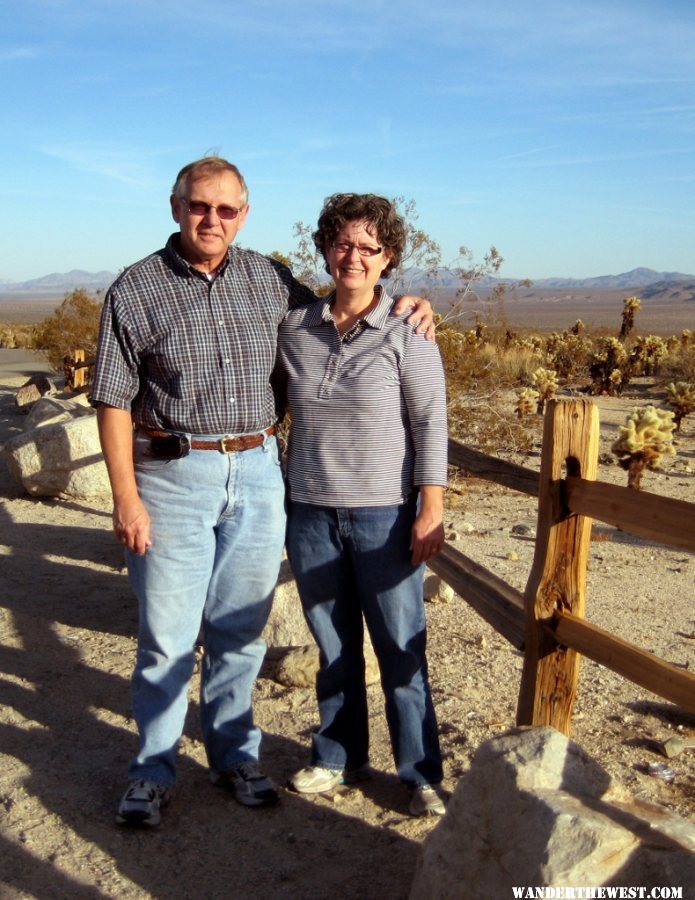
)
(207, 166)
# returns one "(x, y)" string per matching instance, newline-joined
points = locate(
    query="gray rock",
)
(436, 590)
(53, 409)
(535, 809)
(32, 391)
(59, 460)
(286, 625)
(298, 667)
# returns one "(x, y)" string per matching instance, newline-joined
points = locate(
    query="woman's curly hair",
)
(382, 221)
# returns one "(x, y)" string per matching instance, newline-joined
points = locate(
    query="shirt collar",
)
(182, 265)
(375, 318)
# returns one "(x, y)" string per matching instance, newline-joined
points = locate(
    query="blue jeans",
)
(350, 562)
(218, 528)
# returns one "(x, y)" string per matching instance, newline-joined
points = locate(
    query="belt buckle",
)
(225, 445)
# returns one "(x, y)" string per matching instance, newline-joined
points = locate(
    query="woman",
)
(366, 473)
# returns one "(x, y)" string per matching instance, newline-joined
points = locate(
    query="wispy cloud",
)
(605, 158)
(130, 166)
(14, 54)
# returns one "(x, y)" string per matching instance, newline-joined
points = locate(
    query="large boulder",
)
(287, 626)
(290, 642)
(536, 811)
(59, 458)
(50, 410)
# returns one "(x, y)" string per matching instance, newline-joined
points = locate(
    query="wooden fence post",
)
(558, 576)
(78, 378)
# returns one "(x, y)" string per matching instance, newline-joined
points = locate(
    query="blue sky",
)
(561, 132)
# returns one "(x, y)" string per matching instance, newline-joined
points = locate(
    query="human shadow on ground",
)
(67, 639)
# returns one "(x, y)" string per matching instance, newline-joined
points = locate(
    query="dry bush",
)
(480, 377)
(15, 336)
(679, 365)
(73, 326)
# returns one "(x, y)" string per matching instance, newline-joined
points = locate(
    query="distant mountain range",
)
(636, 279)
(59, 282)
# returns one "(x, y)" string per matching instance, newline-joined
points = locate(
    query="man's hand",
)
(131, 525)
(427, 535)
(421, 316)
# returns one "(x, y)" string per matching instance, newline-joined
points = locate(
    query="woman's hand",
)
(427, 535)
(421, 315)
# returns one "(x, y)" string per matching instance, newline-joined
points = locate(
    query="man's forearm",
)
(131, 521)
(116, 436)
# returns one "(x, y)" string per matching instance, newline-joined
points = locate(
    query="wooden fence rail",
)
(547, 620)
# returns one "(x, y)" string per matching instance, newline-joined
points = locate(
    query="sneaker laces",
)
(249, 771)
(143, 790)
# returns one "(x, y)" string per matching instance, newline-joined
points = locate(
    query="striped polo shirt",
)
(368, 409)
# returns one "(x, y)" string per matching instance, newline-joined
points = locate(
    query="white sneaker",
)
(427, 800)
(316, 779)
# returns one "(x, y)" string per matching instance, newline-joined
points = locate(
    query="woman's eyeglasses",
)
(344, 247)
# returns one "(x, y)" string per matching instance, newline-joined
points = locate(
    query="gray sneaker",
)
(427, 800)
(248, 784)
(141, 803)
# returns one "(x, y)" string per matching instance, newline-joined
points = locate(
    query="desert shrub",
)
(73, 326)
(480, 376)
(23, 334)
(679, 365)
(647, 354)
(7, 337)
(569, 353)
(608, 367)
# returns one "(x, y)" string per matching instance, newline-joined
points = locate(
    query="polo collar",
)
(375, 318)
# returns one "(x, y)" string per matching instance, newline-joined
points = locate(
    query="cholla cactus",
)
(608, 356)
(645, 437)
(578, 327)
(568, 353)
(616, 380)
(546, 382)
(681, 396)
(647, 354)
(526, 402)
(630, 307)
(686, 336)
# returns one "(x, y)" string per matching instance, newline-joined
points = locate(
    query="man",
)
(186, 349)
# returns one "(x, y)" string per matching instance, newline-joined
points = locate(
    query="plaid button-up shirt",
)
(189, 354)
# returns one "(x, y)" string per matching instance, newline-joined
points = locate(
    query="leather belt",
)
(222, 445)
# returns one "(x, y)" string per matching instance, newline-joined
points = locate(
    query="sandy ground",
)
(67, 623)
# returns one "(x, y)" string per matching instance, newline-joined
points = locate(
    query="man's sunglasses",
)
(198, 208)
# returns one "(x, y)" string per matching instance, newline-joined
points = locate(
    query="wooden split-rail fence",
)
(78, 370)
(547, 621)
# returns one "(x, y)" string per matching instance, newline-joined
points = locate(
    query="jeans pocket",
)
(272, 447)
